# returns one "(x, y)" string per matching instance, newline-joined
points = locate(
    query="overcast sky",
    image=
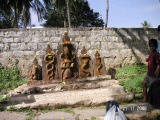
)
(125, 13)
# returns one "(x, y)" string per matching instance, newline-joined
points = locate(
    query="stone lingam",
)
(65, 66)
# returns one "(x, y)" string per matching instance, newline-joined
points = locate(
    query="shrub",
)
(9, 79)
(131, 77)
(133, 70)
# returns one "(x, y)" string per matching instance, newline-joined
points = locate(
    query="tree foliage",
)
(146, 24)
(5, 21)
(19, 11)
(65, 6)
(81, 15)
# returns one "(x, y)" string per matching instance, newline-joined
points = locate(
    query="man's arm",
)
(157, 72)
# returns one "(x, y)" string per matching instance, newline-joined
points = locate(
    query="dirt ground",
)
(66, 114)
(132, 111)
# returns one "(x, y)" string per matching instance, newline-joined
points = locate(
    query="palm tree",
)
(12, 9)
(36, 6)
(20, 10)
(107, 11)
(146, 24)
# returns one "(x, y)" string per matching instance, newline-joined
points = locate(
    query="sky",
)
(125, 13)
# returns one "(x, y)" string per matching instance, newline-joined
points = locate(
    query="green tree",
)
(146, 24)
(54, 18)
(60, 7)
(19, 10)
(12, 8)
(81, 15)
(36, 6)
(5, 21)
(66, 5)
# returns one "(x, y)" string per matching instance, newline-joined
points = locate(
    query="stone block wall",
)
(118, 47)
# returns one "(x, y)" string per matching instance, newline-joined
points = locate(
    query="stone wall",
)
(118, 47)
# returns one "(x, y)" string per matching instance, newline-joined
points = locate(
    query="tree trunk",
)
(107, 10)
(15, 23)
(64, 18)
(68, 13)
(30, 24)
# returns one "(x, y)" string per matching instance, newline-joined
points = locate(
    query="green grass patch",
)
(131, 77)
(67, 110)
(131, 71)
(9, 79)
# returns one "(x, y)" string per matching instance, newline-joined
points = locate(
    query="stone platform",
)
(82, 93)
(82, 97)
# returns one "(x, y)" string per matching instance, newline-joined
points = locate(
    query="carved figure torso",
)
(66, 72)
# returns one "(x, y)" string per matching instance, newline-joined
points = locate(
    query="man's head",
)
(153, 44)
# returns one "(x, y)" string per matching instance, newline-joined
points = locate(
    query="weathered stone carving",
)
(84, 65)
(65, 65)
(35, 71)
(48, 64)
(98, 64)
(67, 59)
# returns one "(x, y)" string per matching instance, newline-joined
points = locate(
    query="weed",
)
(3, 97)
(45, 109)
(93, 118)
(133, 70)
(30, 112)
(67, 110)
(9, 79)
(132, 76)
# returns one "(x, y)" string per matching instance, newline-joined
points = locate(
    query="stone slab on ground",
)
(98, 113)
(76, 98)
(59, 87)
(6, 115)
(85, 113)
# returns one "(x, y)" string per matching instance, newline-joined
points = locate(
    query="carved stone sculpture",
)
(48, 64)
(35, 71)
(65, 65)
(98, 64)
(67, 59)
(84, 66)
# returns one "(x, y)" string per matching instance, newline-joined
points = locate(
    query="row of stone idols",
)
(66, 65)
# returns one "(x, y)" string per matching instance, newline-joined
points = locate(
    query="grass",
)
(131, 71)
(131, 77)
(9, 79)
(66, 110)
(30, 112)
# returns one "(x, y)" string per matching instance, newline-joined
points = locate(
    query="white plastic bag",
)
(112, 115)
(120, 115)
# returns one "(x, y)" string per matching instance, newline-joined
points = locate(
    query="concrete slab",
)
(12, 116)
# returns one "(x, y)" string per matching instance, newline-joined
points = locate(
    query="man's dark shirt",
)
(153, 62)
